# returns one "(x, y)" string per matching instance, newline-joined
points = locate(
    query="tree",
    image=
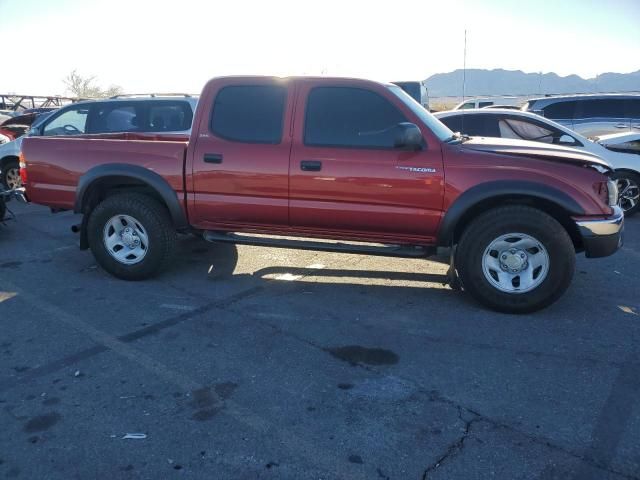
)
(85, 87)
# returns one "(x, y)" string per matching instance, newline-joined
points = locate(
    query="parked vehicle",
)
(590, 115)
(504, 107)
(628, 142)
(339, 159)
(416, 90)
(486, 102)
(529, 126)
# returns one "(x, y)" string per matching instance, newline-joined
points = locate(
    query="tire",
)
(11, 175)
(629, 191)
(142, 251)
(528, 240)
(3, 209)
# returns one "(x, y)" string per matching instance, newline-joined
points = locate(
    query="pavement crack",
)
(455, 447)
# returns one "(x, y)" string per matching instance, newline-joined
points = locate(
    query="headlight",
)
(612, 188)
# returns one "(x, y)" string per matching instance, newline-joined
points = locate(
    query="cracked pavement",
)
(266, 363)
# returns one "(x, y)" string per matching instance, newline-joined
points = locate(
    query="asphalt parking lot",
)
(249, 362)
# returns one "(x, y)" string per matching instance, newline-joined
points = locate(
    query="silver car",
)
(590, 115)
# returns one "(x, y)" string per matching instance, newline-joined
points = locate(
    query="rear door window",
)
(524, 130)
(69, 122)
(350, 117)
(249, 113)
(633, 108)
(560, 110)
(484, 104)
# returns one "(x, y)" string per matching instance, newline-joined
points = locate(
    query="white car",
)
(485, 102)
(529, 126)
(628, 142)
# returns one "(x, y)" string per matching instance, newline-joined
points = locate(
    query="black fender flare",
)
(497, 189)
(144, 175)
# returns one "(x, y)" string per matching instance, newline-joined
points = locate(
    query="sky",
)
(175, 46)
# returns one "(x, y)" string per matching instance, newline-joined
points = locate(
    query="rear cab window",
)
(350, 117)
(249, 113)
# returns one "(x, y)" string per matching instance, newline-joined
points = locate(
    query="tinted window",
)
(608, 108)
(413, 89)
(484, 104)
(70, 122)
(560, 110)
(252, 114)
(633, 108)
(468, 105)
(350, 117)
(474, 125)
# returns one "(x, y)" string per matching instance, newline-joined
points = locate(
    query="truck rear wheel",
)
(515, 259)
(131, 236)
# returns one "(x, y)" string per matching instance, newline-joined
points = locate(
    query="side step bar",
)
(405, 251)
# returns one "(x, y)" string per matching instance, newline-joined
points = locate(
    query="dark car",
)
(416, 90)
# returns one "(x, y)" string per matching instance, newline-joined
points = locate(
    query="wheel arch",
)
(489, 195)
(8, 159)
(108, 179)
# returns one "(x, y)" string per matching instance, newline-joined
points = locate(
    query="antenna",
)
(464, 65)
(464, 80)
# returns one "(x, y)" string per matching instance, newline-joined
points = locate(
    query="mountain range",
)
(516, 82)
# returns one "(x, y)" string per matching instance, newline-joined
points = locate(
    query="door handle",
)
(310, 165)
(213, 158)
(622, 125)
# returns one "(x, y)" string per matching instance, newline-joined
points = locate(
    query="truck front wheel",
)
(131, 236)
(515, 259)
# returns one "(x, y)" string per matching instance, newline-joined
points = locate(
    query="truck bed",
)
(55, 164)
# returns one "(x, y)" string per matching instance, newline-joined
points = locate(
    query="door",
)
(601, 116)
(241, 156)
(347, 177)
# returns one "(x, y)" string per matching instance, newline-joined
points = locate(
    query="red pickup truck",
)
(343, 165)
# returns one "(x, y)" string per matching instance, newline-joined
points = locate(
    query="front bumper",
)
(602, 237)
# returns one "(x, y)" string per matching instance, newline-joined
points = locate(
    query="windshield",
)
(438, 128)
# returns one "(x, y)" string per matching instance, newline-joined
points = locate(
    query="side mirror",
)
(408, 137)
(34, 132)
(567, 140)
